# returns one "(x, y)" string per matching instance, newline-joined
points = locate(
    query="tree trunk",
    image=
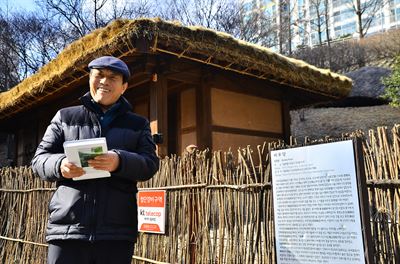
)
(319, 32)
(289, 37)
(280, 37)
(359, 19)
(328, 39)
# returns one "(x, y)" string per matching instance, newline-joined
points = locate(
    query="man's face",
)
(106, 86)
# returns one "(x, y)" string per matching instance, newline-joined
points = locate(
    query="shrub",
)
(392, 85)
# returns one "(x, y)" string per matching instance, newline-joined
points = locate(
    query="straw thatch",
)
(128, 37)
(219, 207)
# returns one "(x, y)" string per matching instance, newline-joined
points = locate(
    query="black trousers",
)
(85, 252)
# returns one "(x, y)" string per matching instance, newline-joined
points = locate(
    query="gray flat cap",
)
(111, 63)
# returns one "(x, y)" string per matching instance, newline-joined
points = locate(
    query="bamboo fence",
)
(219, 206)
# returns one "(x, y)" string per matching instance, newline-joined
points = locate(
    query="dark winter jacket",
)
(104, 208)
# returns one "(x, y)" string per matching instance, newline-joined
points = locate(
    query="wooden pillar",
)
(159, 111)
(286, 120)
(203, 115)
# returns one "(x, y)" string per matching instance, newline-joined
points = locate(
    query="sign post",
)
(317, 215)
(151, 211)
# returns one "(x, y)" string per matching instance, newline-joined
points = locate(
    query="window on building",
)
(335, 2)
(315, 38)
(392, 16)
(348, 28)
(318, 21)
(377, 20)
(344, 30)
(347, 13)
(338, 3)
(397, 18)
(342, 15)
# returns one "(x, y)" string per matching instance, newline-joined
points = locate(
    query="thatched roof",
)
(123, 37)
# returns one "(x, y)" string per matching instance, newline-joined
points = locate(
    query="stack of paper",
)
(80, 151)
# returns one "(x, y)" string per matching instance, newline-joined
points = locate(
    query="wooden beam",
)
(267, 89)
(247, 132)
(138, 79)
(177, 87)
(159, 111)
(183, 70)
(203, 115)
(185, 77)
(188, 129)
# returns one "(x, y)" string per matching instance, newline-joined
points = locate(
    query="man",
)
(95, 221)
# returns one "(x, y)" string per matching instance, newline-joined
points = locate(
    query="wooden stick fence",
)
(219, 207)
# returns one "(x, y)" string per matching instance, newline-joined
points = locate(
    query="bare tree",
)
(257, 24)
(320, 24)
(318, 19)
(72, 12)
(248, 22)
(78, 17)
(37, 41)
(341, 57)
(27, 42)
(286, 25)
(8, 60)
(366, 13)
(207, 13)
(138, 8)
(228, 18)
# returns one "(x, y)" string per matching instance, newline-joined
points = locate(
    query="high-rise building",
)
(309, 22)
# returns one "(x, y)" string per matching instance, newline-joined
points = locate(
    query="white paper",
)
(316, 206)
(80, 151)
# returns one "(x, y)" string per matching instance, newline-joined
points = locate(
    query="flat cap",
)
(111, 63)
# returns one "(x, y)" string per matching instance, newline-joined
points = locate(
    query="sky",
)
(19, 5)
(14, 5)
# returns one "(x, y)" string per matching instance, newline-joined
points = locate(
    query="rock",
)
(367, 81)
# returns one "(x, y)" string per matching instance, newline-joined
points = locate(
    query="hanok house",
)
(196, 86)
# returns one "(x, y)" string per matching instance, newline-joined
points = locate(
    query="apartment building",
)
(312, 20)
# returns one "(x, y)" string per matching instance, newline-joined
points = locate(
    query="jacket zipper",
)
(93, 220)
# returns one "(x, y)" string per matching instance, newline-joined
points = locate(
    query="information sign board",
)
(317, 213)
(151, 211)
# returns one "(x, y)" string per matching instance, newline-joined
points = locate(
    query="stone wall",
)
(320, 122)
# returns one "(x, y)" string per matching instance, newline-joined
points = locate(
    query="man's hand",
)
(70, 170)
(108, 162)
